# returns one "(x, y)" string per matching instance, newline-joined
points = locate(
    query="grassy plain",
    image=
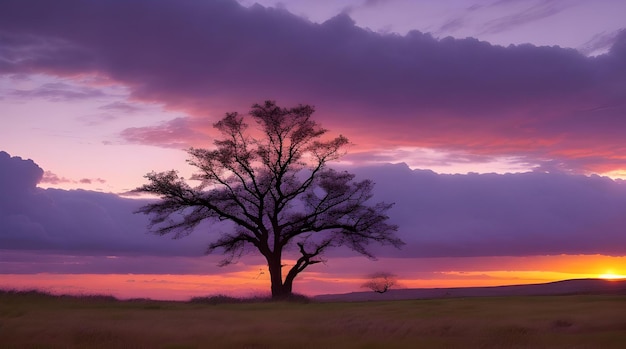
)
(35, 320)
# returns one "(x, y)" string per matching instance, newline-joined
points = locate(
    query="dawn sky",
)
(497, 127)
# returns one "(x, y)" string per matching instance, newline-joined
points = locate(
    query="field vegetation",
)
(38, 320)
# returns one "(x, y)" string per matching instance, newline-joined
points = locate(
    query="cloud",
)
(206, 58)
(90, 181)
(33, 51)
(518, 14)
(374, 3)
(600, 43)
(182, 133)
(17, 176)
(75, 222)
(26, 262)
(120, 107)
(52, 178)
(453, 24)
(365, 4)
(518, 214)
(537, 11)
(439, 215)
(59, 92)
(536, 104)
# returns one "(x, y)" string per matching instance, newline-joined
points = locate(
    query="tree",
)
(272, 181)
(381, 282)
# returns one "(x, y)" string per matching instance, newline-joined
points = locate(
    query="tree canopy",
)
(381, 282)
(270, 177)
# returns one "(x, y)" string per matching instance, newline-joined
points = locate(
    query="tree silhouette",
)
(273, 182)
(381, 282)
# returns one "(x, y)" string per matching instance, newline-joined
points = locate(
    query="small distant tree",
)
(273, 182)
(381, 282)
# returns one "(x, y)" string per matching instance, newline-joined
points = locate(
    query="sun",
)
(609, 275)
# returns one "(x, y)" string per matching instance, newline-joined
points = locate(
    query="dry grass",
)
(35, 320)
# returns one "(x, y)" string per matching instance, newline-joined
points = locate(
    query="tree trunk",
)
(280, 290)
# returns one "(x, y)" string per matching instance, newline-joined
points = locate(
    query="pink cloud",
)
(52, 178)
(90, 181)
(120, 107)
(180, 133)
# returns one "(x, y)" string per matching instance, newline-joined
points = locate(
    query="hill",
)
(565, 287)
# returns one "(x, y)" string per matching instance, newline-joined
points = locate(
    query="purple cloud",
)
(502, 215)
(89, 180)
(52, 178)
(539, 10)
(17, 176)
(529, 12)
(74, 221)
(182, 133)
(120, 107)
(206, 58)
(601, 42)
(453, 24)
(59, 92)
(27, 262)
(439, 215)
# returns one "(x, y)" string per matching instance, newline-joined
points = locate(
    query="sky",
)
(496, 126)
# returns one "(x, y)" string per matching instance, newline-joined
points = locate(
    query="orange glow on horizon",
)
(128, 286)
(340, 275)
(609, 275)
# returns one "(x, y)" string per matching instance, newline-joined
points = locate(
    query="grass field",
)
(35, 320)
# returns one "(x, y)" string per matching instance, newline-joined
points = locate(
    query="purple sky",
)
(497, 127)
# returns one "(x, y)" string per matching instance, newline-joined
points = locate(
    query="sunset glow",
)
(340, 276)
(611, 276)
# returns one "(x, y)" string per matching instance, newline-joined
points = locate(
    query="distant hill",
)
(566, 287)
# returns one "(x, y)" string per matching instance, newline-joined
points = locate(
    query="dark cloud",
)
(207, 58)
(35, 53)
(439, 216)
(90, 181)
(50, 177)
(28, 262)
(502, 215)
(75, 221)
(18, 177)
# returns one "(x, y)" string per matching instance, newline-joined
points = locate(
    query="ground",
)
(33, 320)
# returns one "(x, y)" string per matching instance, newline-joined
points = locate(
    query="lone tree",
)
(273, 182)
(381, 282)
